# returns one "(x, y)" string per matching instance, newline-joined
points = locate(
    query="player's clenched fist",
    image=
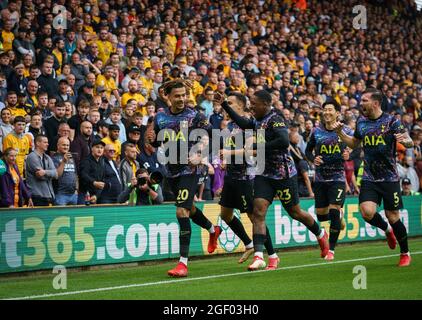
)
(338, 127)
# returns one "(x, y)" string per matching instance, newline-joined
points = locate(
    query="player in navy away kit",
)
(379, 132)
(279, 176)
(183, 178)
(326, 151)
(238, 182)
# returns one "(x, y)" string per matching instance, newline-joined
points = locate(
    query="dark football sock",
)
(378, 221)
(184, 236)
(335, 226)
(238, 229)
(401, 235)
(315, 229)
(199, 218)
(268, 243)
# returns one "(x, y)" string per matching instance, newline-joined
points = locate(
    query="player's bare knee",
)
(259, 213)
(321, 211)
(182, 213)
(226, 216)
(260, 209)
(368, 211)
(367, 215)
(296, 213)
(259, 218)
(392, 216)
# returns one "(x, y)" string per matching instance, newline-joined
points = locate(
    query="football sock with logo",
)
(239, 230)
(378, 221)
(269, 244)
(335, 226)
(184, 236)
(401, 235)
(199, 218)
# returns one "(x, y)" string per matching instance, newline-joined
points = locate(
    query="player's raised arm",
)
(242, 122)
(351, 141)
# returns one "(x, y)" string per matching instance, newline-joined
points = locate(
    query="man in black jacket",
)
(82, 115)
(46, 81)
(17, 81)
(92, 172)
(81, 146)
(46, 50)
(86, 93)
(51, 125)
(134, 137)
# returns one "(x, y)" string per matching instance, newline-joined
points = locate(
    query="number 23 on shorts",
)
(284, 195)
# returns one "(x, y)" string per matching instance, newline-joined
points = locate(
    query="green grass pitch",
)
(301, 275)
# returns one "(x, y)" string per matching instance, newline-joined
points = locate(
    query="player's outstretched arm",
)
(242, 122)
(351, 141)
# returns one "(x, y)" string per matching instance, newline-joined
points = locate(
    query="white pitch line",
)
(137, 285)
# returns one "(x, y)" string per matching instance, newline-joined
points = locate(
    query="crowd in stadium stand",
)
(76, 94)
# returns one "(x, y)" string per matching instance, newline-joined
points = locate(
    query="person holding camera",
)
(148, 189)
